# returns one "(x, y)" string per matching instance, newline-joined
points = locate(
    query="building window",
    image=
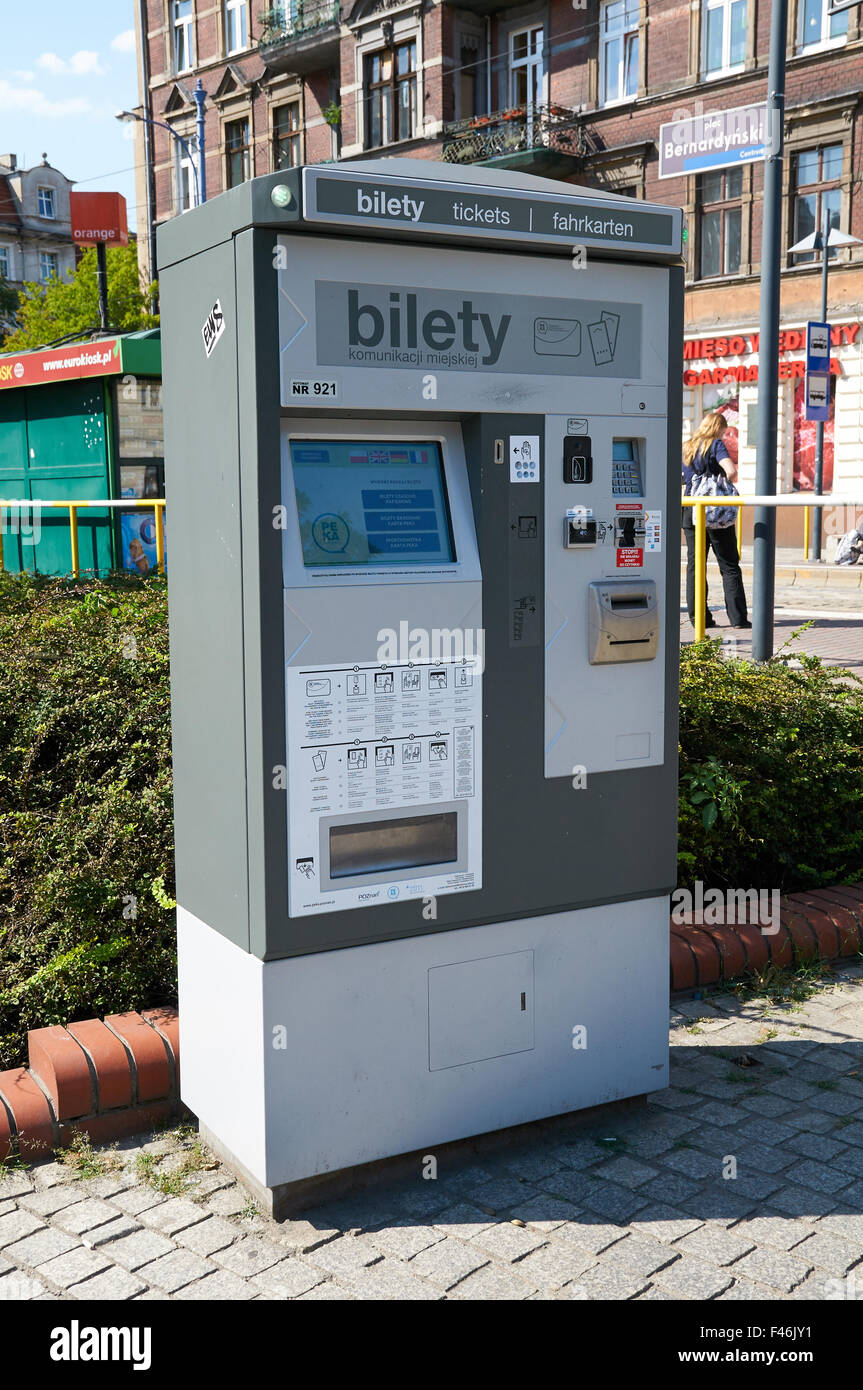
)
(391, 94)
(184, 40)
(527, 67)
(817, 26)
(237, 151)
(236, 26)
(817, 194)
(184, 172)
(724, 36)
(720, 221)
(286, 136)
(47, 206)
(47, 266)
(470, 83)
(5, 263)
(618, 51)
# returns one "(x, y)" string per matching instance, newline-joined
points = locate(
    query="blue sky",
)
(65, 69)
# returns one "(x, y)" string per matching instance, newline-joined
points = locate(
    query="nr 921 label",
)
(305, 390)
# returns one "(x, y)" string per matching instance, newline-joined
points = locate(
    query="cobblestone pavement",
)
(643, 1203)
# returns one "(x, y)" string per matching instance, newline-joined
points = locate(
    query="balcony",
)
(548, 140)
(300, 36)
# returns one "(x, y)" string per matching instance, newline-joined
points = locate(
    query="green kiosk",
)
(80, 423)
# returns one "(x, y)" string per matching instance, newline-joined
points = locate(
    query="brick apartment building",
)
(574, 90)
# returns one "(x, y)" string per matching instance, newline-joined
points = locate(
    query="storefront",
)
(721, 373)
(79, 423)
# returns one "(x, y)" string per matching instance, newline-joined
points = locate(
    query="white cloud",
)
(84, 63)
(21, 75)
(31, 100)
(125, 42)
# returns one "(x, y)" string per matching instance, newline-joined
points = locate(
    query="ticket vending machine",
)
(423, 434)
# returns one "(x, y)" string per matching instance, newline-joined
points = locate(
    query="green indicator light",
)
(685, 232)
(281, 196)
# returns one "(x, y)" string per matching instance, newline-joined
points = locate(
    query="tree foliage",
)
(62, 308)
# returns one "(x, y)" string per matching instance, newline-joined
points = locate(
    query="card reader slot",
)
(629, 605)
(623, 621)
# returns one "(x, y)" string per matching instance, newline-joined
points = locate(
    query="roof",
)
(139, 353)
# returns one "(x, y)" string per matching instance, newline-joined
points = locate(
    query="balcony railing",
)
(295, 20)
(519, 130)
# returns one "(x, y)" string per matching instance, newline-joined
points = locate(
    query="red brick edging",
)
(118, 1077)
(825, 923)
(105, 1079)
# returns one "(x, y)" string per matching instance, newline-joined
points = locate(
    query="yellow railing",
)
(701, 503)
(154, 504)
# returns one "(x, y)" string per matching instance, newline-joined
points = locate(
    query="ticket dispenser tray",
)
(623, 623)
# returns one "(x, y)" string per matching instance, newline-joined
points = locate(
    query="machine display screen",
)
(363, 502)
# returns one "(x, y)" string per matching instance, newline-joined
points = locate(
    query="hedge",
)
(86, 854)
(771, 766)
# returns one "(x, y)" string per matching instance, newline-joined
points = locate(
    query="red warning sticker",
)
(630, 557)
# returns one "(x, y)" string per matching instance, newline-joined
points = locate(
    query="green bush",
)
(86, 850)
(771, 771)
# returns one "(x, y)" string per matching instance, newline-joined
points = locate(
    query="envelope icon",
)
(557, 337)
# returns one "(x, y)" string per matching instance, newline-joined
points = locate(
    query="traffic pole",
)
(819, 427)
(764, 530)
(102, 283)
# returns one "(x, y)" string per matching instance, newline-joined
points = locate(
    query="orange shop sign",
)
(99, 218)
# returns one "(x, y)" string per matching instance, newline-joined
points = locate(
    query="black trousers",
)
(722, 540)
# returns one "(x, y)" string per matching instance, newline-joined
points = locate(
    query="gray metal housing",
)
(545, 850)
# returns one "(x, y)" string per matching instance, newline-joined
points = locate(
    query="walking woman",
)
(706, 453)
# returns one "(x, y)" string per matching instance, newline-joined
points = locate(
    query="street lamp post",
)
(197, 166)
(200, 97)
(822, 240)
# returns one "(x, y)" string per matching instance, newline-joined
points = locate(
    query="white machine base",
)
(317, 1063)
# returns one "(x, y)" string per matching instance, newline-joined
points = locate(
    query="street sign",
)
(817, 381)
(99, 219)
(715, 140)
(817, 347)
(834, 6)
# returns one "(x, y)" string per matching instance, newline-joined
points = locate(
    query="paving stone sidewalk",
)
(738, 1182)
(837, 640)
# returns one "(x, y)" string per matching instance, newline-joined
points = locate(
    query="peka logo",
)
(398, 325)
(77, 1343)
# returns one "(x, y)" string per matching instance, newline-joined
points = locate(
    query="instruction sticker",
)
(374, 751)
(524, 458)
(653, 531)
(630, 557)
